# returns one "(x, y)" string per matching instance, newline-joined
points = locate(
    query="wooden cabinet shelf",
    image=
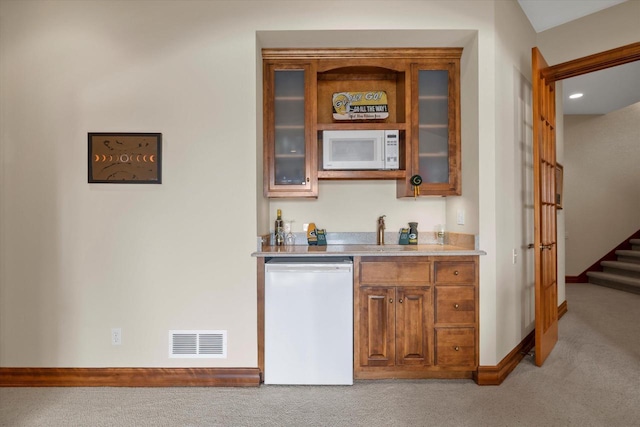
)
(366, 174)
(361, 126)
(422, 87)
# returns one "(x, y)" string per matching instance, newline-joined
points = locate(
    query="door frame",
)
(588, 64)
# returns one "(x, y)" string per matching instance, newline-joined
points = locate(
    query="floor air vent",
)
(198, 344)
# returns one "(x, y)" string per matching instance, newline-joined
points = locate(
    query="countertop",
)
(366, 250)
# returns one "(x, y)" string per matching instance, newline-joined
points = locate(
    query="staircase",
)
(623, 274)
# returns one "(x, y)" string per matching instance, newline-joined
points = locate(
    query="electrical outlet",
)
(116, 336)
(460, 216)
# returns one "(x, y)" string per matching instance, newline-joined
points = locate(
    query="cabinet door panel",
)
(413, 314)
(377, 319)
(289, 147)
(455, 304)
(434, 152)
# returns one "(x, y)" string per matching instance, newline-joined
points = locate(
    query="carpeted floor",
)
(592, 378)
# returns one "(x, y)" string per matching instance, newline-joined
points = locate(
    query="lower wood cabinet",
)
(415, 317)
(395, 326)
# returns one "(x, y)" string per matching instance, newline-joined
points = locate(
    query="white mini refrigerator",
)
(308, 321)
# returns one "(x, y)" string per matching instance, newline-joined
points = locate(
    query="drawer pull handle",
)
(455, 273)
(400, 300)
(456, 348)
(456, 305)
(390, 300)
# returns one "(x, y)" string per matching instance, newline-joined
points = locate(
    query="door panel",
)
(377, 320)
(413, 312)
(544, 165)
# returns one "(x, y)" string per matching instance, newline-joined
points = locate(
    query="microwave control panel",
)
(391, 149)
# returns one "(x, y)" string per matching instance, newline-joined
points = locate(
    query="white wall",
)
(513, 212)
(610, 28)
(79, 259)
(601, 178)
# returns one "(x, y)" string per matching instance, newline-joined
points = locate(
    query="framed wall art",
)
(125, 158)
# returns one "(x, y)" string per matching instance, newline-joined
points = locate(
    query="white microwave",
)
(360, 149)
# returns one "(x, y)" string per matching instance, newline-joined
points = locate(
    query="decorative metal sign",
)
(120, 158)
(360, 105)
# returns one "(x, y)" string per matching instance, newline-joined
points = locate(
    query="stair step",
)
(629, 269)
(615, 281)
(635, 244)
(629, 256)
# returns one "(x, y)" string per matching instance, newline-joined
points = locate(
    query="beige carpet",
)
(592, 378)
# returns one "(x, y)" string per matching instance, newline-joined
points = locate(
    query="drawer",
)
(455, 272)
(456, 347)
(455, 304)
(395, 272)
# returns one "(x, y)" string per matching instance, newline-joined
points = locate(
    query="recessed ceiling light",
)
(575, 95)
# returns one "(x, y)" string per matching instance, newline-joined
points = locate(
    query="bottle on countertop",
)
(413, 233)
(279, 229)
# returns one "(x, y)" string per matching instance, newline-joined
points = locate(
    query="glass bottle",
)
(279, 229)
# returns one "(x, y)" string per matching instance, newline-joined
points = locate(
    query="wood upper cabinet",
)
(289, 128)
(422, 88)
(434, 150)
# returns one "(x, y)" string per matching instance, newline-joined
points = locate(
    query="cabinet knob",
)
(456, 305)
(400, 300)
(456, 348)
(390, 300)
(455, 273)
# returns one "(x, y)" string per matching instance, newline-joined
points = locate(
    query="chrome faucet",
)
(381, 227)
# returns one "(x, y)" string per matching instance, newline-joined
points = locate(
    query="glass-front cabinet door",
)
(436, 127)
(290, 169)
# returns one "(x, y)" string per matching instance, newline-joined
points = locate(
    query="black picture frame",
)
(124, 158)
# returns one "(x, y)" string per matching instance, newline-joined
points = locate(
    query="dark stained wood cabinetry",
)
(416, 317)
(423, 91)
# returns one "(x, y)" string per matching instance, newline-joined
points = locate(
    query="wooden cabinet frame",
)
(450, 342)
(337, 69)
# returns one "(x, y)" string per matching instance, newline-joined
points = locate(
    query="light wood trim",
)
(544, 147)
(129, 377)
(599, 61)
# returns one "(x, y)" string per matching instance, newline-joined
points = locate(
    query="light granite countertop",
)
(364, 244)
(366, 250)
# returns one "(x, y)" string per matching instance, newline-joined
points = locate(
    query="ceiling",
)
(604, 91)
